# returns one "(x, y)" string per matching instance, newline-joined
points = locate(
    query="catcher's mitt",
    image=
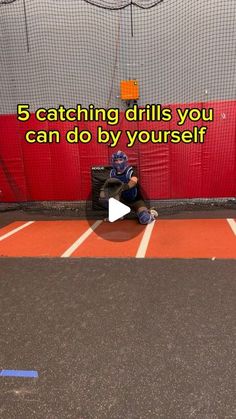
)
(112, 188)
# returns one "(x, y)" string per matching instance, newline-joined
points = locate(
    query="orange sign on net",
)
(129, 90)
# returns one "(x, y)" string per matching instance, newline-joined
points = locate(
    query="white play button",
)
(116, 210)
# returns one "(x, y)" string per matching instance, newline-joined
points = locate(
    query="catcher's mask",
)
(119, 161)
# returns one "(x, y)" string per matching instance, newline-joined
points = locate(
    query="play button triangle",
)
(116, 210)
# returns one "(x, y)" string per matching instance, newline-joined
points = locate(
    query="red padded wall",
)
(219, 152)
(31, 172)
(13, 183)
(185, 160)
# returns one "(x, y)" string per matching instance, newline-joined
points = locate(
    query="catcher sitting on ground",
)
(123, 185)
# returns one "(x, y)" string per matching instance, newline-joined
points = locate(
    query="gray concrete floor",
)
(120, 339)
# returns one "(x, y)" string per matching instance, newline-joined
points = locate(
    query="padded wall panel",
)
(185, 159)
(154, 164)
(91, 154)
(12, 173)
(219, 152)
(37, 162)
(65, 165)
(166, 171)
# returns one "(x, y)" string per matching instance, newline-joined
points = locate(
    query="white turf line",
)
(145, 240)
(10, 233)
(232, 224)
(81, 239)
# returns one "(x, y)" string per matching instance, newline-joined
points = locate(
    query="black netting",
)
(77, 51)
(116, 5)
(111, 4)
(180, 51)
(7, 1)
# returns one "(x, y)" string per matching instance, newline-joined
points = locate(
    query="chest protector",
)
(131, 194)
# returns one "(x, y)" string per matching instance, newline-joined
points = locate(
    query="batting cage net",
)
(175, 59)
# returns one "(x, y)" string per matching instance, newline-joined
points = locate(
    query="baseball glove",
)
(112, 188)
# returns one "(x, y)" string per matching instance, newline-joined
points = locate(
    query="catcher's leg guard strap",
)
(145, 217)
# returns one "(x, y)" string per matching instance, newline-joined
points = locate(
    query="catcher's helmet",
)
(119, 161)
